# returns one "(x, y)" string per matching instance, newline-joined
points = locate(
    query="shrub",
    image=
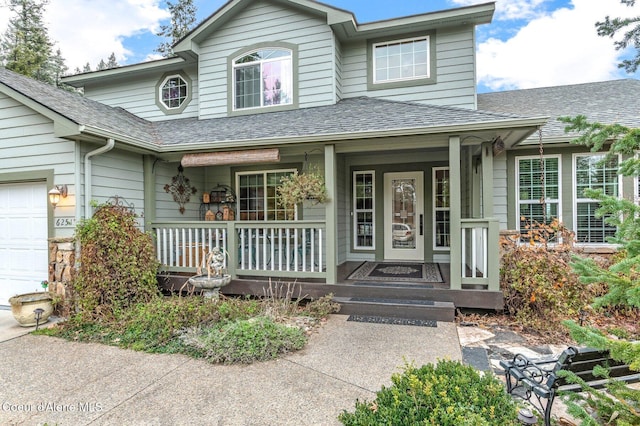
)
(538, 283)
(245, 341)
(447, 394)
(117, 264)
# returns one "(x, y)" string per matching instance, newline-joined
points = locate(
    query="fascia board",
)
(226, 12)
(476, 15)
(207, 26)
(118, 137)
(79, 80)
(532, 123)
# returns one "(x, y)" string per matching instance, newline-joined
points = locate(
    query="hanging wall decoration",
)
(180, 188)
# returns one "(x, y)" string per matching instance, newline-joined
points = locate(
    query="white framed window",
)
(263, 78)
(401, 60)
(364, 190)
(441, 208)
(530, 190)
(591, 172)
(173, 92)
(257, 196)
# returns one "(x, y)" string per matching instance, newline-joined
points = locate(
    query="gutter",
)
(87, 173)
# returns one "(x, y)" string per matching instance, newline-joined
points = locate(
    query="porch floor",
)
(346, 288)
(347, 268)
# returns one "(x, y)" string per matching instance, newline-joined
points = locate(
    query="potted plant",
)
(298, 187)
(24, 306)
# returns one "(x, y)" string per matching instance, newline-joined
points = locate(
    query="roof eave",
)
(531, 123)
(469, 15)
(80, 80)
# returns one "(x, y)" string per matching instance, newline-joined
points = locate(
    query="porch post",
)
(455, 213)
(149, 191)
(331, 213)
(487, 180)
(493, 243)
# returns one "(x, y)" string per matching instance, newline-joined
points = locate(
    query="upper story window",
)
(263, 78)
(173, 93)
(401, 60)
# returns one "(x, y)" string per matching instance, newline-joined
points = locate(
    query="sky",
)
(530, 43)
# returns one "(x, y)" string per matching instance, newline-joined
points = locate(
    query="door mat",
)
(397, 271)
(392, 321)
(402, 301)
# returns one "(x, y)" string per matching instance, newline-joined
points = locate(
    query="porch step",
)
(397, 308)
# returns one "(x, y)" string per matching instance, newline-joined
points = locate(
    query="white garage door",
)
(23, 238)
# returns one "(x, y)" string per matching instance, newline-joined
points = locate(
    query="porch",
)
(296, 251)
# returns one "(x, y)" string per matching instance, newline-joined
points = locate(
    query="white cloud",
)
(88, 30)
(512, 9)
(559, 48)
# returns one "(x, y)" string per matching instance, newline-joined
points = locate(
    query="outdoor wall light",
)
(57, 192)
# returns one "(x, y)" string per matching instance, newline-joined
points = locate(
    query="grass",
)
(226, 330)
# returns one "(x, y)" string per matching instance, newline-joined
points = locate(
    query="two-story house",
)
(418, 181)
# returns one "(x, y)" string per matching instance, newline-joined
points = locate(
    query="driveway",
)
(49, 380)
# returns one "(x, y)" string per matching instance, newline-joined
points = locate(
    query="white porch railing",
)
(257, 248)
(479, 253)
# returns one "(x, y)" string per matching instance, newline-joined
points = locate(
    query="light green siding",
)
(166, 207)
(117, 173)
(30, 151)
(455, 72)
(260, 23)
(138, 95)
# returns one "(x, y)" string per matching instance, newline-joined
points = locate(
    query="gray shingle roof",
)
(349, 116)
(352, 115)
(616, 101)
(78, 109)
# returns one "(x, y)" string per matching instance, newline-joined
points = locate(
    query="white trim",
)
(435, 209)
(264, 173)
(372, 210)
(557, 201)
(408, 253)
(425, 38)
(161, 88)
(577, 200)
(287, 73)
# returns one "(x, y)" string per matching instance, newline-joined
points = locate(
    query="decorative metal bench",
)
(537, 382)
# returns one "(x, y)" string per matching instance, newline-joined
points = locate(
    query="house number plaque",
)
(65, 222)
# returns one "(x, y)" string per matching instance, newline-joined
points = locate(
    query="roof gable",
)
(343, 22)
(229, 10)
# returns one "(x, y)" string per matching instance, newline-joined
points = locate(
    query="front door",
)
(403, 216)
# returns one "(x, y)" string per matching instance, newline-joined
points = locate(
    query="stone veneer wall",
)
(62, 260)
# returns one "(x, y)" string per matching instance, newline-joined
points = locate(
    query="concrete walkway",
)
(48, 380)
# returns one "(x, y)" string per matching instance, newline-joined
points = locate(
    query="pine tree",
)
(57, 68)
(183, 15)
(111, 61)
(610, 27)
(25, 47)
(102, 65)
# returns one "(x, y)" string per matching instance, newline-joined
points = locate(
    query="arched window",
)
(263, 78)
